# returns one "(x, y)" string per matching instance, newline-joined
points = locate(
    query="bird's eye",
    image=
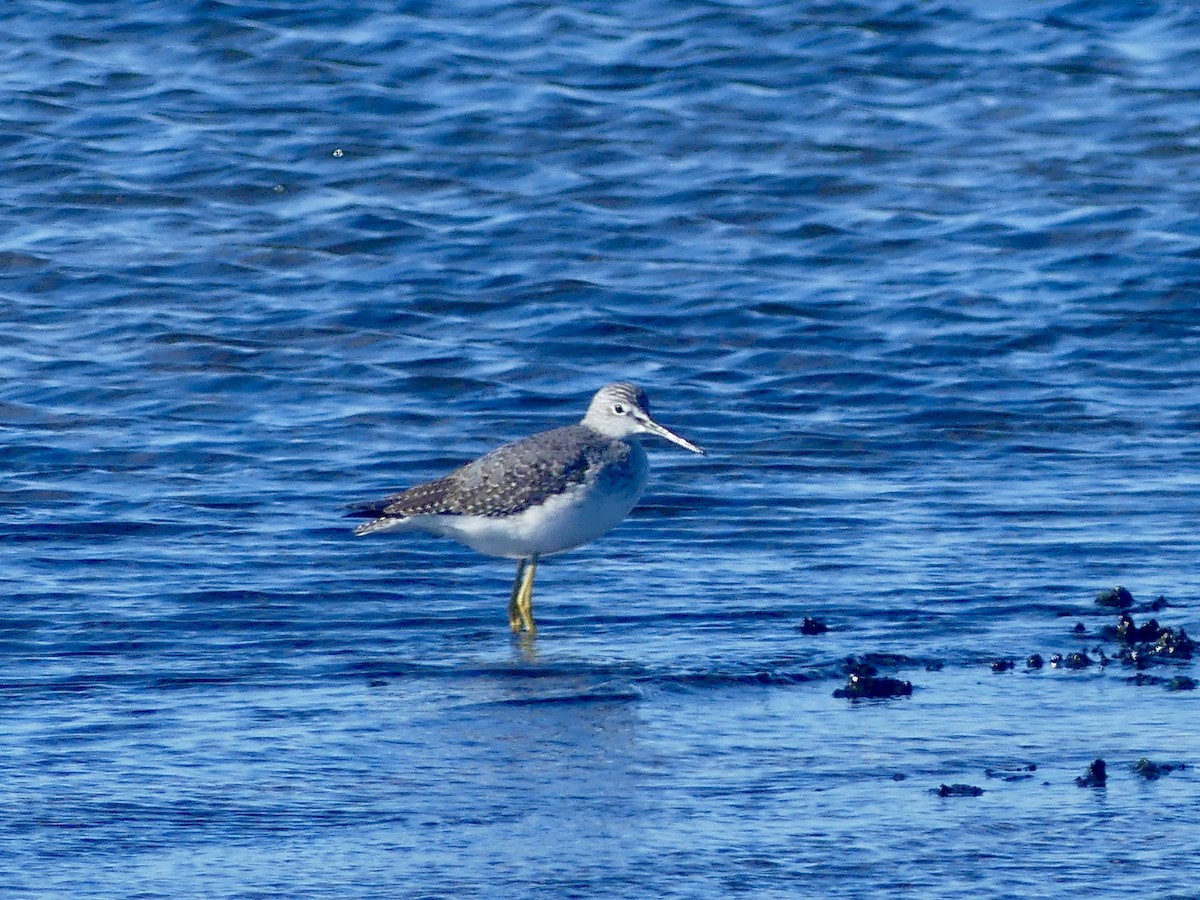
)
(619, 409)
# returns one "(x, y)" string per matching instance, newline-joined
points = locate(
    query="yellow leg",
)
(514, 606)
(522, 599)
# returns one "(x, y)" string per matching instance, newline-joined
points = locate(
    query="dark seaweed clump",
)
(959, 790)
(1077, 660)
(1117, 597)
(1144, 645)
(813, 626)
(1096, 775)
(1153, 771)
(864, 682)
(1140, 646)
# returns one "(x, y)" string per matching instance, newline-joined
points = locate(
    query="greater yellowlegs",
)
(546, 493)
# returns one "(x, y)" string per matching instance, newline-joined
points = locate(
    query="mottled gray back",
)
(511, 478)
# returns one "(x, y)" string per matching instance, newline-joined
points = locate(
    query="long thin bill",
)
(654, 428)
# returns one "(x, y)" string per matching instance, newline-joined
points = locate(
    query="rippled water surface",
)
(922, 277)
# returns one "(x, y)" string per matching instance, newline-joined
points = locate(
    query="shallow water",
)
(920, 277)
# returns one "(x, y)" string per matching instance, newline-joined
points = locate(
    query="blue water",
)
(921, 277)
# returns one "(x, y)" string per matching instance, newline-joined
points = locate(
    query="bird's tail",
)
(382, 524)
(380, 520)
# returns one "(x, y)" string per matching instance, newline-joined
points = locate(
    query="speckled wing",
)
(508, 480)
